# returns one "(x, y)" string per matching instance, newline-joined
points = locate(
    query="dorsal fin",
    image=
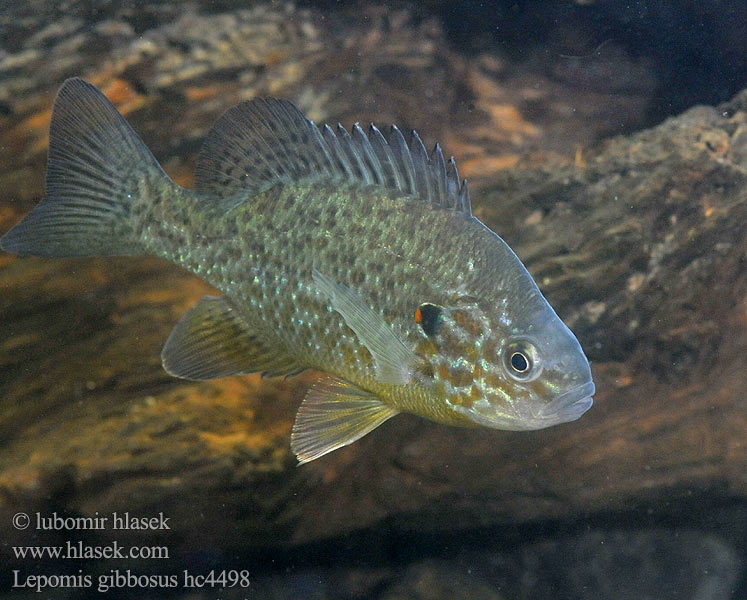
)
(267, 140)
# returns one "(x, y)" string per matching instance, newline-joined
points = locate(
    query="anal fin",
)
(333, 414)
(213, 340)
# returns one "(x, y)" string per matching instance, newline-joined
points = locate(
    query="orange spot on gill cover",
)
(418, 315)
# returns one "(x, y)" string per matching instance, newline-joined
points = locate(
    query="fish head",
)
(509, 373)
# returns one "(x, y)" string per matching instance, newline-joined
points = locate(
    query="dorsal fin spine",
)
(397, 141)
(319, 141)
(437, 157)
(368, 154)
(341, 159)
(464, 199)
(420, 160)
(386, 157)
(452, 179)
(267, 140)
(348, 146)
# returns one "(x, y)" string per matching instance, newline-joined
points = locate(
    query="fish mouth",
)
(570, 405)
(524, 417)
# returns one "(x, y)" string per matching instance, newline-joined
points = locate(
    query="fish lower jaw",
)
(570, 405)
(565, 408)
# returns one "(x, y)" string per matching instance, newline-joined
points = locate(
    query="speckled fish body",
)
(262, 253)
(354, 255)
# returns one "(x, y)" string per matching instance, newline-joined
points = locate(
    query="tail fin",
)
(95, 162)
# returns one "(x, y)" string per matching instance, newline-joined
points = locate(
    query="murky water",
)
(604, 142)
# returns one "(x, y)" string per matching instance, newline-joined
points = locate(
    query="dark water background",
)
(645, 497)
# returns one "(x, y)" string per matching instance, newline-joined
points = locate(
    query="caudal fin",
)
(95, 163)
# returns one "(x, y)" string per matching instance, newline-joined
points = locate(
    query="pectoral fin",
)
(394, 362)
(213, 340)
(335, 413)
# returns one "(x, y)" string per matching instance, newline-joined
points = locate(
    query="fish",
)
(355, 254)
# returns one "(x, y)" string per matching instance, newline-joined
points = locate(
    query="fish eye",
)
(521, 360)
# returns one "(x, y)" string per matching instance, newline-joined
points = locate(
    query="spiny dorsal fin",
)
(268, 140)
(212, 340)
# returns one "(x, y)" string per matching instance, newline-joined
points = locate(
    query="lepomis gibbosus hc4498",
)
(354, 254)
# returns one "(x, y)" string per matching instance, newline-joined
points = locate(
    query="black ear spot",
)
(428, 316)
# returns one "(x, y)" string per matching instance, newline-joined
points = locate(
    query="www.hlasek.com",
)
(77, 550)
(115, 578)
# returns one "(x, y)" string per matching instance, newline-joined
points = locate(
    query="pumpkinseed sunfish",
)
(352, 253)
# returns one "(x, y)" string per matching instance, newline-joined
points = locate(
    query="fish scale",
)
(272, 261)
(325, 246)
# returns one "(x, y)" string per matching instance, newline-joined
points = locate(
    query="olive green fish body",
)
(356, 255)
(261, 254)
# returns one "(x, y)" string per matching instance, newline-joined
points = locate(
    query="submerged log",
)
(639, 245)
